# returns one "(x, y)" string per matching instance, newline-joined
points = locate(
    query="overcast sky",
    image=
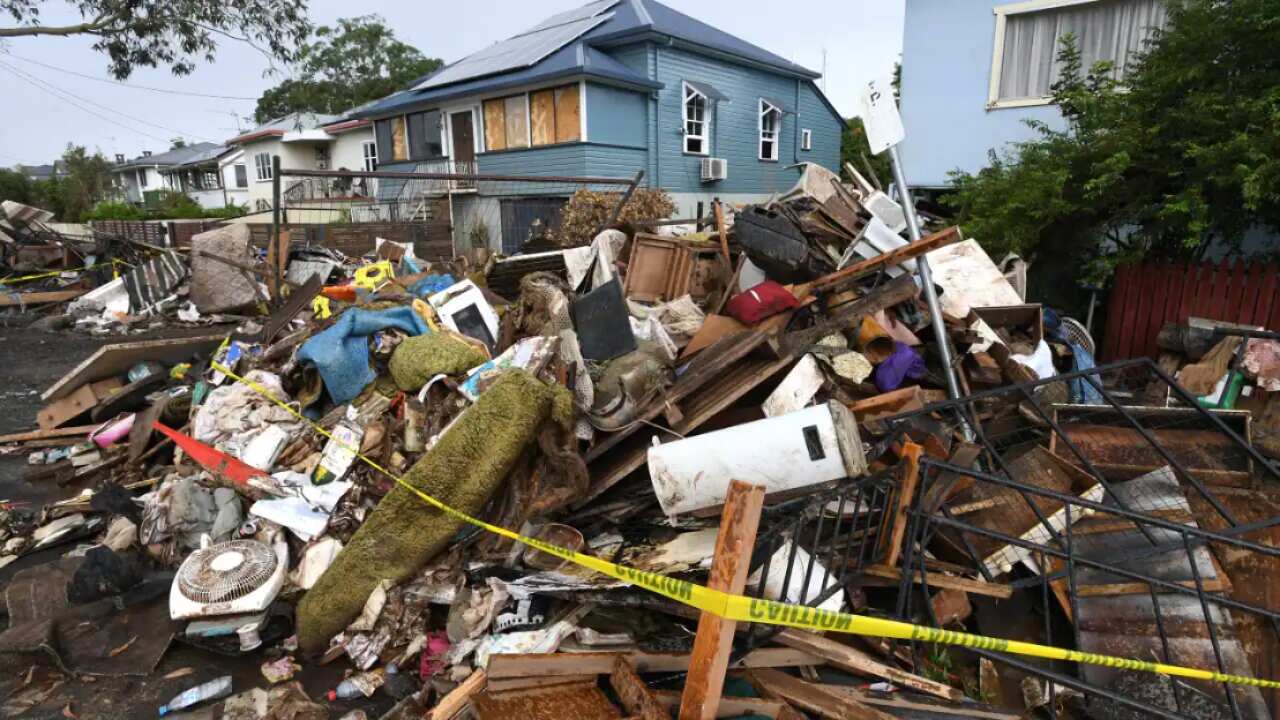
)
(861, 39)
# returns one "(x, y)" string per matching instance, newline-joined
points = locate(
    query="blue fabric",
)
(341, 353)
(1082, 391)
(902, 364)
(432, 284)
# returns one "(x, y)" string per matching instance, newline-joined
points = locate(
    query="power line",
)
(53, 87)
(129, 85)
(72, 102)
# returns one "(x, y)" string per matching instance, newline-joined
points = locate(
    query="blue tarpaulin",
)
(341, 353)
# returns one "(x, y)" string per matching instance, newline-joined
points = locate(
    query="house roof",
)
(568, 44)
(176, 156)
(281, 125)
(205, 157)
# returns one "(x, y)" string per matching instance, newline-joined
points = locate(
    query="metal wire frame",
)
(927, 522)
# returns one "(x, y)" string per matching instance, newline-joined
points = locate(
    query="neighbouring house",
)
(308, 141)
(973, 71)
(39, 173)
(606, 90)
(204, 177)
(142, 180)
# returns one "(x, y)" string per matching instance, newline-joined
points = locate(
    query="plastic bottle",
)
(345, 691)
(212, 690)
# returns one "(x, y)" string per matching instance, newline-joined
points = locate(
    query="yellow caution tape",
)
(51, 273)
(771, 612)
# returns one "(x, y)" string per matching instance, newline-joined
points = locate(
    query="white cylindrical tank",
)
(808, 447)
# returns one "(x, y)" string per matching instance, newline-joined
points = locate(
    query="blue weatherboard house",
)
(606, 90)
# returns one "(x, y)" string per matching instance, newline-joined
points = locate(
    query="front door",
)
(463, 134)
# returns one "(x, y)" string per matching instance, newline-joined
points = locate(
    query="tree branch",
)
(79, 29)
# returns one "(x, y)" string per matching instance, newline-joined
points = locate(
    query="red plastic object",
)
(761, 301)
(213, 460)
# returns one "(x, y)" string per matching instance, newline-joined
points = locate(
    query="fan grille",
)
(226, 571)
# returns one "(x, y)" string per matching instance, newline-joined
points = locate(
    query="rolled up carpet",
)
(463, 470)
(418, 359)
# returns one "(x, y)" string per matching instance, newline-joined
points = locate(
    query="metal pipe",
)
(926, 276)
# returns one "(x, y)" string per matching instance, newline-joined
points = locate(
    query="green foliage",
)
(176, 206)
(232, 210)
(88, 181)
(16, 187)
(115, 210)
(1184, 156)
(176, 33)
(855, 151)
(353, 63)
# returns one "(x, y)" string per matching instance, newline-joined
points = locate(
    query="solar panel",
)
(518, 52)
(589, 10)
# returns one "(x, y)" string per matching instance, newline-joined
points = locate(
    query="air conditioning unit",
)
(714, 169)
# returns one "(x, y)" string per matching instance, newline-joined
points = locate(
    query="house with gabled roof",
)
(606, 90)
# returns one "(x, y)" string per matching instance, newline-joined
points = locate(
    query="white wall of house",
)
(137, 180)
(347, 149)
(235, 183)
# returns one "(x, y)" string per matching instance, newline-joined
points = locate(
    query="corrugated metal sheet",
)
(589, 10)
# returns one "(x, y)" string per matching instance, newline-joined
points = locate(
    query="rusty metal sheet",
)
(1122, 453)
(1125, 625)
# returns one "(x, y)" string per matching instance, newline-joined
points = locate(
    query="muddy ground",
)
(30, 360)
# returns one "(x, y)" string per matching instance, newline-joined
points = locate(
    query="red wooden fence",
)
(1146, 295)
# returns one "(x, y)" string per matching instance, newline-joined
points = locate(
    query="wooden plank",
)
(938, 580)
(542, 109)
(40, 298)
(1144, 329)
(729, 565)
(601, 663)
(459, 697)
(1253, 297)
(816, 699)
(524, 683)
(908, 480)
(926, 244)
(399, 139)
(855, 660)
(915, 704)
(1190, 283)
(730, 707)
(1269, 298)
(724, 237)
(35, 435)
(1235, 291)
(897, 290)
(79, 401)
(1115, 304)
(636, 697)
(495, 125)
(568, 114)
(116, 359)
(1218, 307)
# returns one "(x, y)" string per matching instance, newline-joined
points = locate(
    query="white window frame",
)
(1002, 13)
(764, 108)
(369, 152)
(806, 139)
(687, 92)
(262, 171)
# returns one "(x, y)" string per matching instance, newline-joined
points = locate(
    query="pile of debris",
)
(756, 401)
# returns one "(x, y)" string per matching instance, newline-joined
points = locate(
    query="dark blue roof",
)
(622, 21)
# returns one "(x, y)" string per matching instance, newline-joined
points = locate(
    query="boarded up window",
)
(495, 126)
(542, 109)
(568, 114)
(517, 121)
(399, 140)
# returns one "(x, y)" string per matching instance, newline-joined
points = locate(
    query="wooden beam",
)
(637, 699)
(47, 434)
(946, 582)
(459, 697)
(855, 660)
(601, 663)
(926, 244)
(730, 707)
(737, 537)
(815, 698)
(720, 230)
(908, 479)
(928, 708)
(40, 298)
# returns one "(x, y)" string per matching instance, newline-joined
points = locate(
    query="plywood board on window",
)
(568, 114)
(542, 109)
(399, 140)
(517, 121)
(495, 125)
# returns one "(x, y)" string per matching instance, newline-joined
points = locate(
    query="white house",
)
(209, 177)
(141, 179)
(308, 141)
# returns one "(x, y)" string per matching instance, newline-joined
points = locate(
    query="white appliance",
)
(230, 578)
(801, 449)
(714, 169)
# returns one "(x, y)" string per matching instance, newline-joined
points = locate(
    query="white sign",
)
(880, 115)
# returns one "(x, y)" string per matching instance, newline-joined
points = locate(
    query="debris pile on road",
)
(756, 401)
